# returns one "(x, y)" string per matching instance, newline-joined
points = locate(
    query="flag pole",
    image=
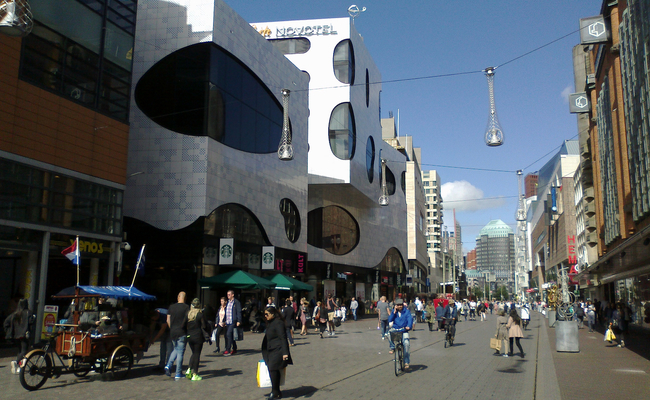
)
(137, 266)
(77, 258)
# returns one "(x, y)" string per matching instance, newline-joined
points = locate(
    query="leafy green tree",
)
(502, 293)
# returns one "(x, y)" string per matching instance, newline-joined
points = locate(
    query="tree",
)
(477, 292)
(501, 293)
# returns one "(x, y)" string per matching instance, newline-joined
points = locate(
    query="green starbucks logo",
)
(267, 258)
(226, 251)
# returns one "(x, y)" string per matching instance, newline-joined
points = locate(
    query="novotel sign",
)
(297, 31)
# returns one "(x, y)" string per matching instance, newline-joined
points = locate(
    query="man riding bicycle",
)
(451, 316)
(401, 319)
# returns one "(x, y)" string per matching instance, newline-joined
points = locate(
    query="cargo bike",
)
(70, 350)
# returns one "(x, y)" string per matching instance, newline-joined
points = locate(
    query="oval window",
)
(291, 216)
(367, 88)
(344, 62)
(202, 90)
(403, 181)
(370, 159)
(332, 229)
(342, 132)
(390, 181)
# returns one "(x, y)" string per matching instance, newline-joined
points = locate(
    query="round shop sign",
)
(267, 258)
(226, 251)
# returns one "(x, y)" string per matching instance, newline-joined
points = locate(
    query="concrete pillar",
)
(30, 265)
(566, 337)
(42, 283)
(94, 272)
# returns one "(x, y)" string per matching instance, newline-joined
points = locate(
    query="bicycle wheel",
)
(446, 339)
(398, 352)
(401, 358)
(121, 363)
(35, 371)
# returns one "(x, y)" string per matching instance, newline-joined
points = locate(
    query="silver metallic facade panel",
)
(186, 177)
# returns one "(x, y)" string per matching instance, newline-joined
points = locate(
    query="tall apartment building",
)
(63, 146)
(418, 260)
(619, 131)
(431, 183)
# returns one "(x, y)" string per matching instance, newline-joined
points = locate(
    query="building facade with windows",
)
(356, 246)
(63, 146)
(617, 83)
(495, 254)
(432, 183)
(207, 191)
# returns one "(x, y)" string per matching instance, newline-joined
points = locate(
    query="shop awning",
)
(117, 292)
(236, 280)
(284, 282)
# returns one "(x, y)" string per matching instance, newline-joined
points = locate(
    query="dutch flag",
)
(72, 252)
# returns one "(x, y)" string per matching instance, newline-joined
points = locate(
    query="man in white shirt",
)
(472, 310)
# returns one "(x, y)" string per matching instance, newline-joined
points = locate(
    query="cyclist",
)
(401, 319)
(451, 316)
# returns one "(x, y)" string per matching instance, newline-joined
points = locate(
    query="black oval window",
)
(291, 219)
(202, 90)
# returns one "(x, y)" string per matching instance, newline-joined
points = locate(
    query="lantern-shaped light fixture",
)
(383, 199)
(285, 150)
(493, 133)
(16, 17)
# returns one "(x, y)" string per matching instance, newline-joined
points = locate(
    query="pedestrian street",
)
(354, 364)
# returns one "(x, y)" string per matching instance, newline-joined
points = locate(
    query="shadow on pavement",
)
(302, 391)
(514, 369)
(212, 373)
(414, 368)
(457, 344)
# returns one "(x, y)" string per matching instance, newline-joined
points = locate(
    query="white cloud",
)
(463, 196)
(566, 92)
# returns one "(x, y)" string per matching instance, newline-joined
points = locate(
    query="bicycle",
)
(450, 332)
(396, 336)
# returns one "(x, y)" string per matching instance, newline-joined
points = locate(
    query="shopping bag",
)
(263, 377)
(238, 334)
(495, 344)
(214, 335)
(609, 336)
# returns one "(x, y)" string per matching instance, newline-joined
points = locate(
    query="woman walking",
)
(502, 331)
(220, 326)
(514, 331)
(323, 322)
(304, 316)
(288, 316)
(275, 349)
(17, 328)
(197, 333)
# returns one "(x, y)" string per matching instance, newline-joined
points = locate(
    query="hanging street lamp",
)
(493, 133)
(285, 150)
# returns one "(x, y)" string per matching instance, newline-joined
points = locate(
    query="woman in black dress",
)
(275, 349)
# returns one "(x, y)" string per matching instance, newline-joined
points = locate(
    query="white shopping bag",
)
(263, 377)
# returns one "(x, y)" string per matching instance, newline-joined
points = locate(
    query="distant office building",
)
(530, 185)
(495, 253)
(432, 183)
(471, 259)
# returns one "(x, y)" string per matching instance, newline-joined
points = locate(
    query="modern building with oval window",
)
(356, 246)
(206, 190)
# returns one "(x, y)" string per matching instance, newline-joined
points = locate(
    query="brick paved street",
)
(356, 365)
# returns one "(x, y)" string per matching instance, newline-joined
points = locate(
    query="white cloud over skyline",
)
(463, 196)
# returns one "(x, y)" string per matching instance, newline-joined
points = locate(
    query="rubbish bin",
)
(566, 337)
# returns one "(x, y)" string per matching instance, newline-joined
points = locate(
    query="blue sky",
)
(447, 116)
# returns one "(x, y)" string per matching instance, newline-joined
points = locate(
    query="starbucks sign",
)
(226, 251)
(268, 257)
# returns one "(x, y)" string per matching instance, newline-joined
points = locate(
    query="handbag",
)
(495, 344)
(238, 334)
(263, 377)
